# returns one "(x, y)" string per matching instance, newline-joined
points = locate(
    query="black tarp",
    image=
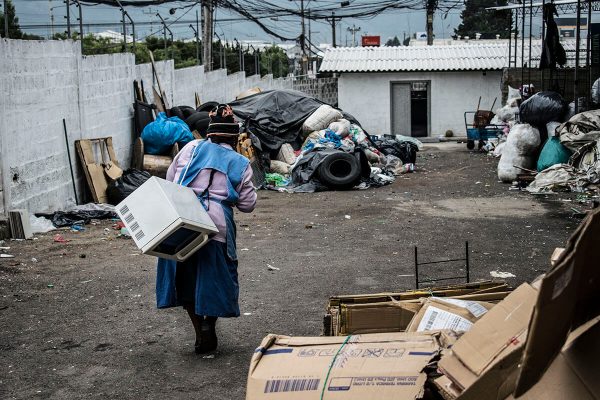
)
(276, 116)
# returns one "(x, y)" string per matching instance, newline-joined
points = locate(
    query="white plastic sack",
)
(507, 113)
(341, 127)
(513, 97)
(498, 150)
(40, 224)
(321, 118)
(286, 154)
(280, 167)
(551, 128)
(521, 143)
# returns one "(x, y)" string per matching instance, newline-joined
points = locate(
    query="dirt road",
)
(79, 321)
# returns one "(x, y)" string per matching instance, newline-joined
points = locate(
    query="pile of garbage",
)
(299, 144)
(545, 140)
(475, 341)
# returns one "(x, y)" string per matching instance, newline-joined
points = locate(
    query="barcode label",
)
(139, 235)
(135, 226)
(124, 210)
(129, 218)
(291, 385)
(431, 320)
(435, 318)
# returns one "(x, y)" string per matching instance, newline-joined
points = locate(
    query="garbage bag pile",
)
(545, 139)
(479, 340)
(309, 146)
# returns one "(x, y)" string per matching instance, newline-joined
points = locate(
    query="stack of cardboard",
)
(541, 341)
(394, 312)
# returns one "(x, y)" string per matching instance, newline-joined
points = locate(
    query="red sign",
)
(371, 41)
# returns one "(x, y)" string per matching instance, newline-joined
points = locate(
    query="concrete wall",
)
(367, 96)
(42, 82)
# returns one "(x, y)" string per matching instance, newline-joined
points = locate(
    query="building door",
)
(410, 106)
(401, 109)
(418, 109)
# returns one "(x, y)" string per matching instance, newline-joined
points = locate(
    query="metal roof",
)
(469, 56)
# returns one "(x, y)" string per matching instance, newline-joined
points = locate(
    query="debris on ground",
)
(473, 341)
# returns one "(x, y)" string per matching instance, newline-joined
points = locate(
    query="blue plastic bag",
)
(159, 136)
(553, 153)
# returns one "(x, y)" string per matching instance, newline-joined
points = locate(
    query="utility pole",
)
(431, 6)
(207, 34)
(354, 29)
(68, 17)
(51, 18)
(333, 29)
(302, 41)
(80, 25)
(165, 29)
(197, 44)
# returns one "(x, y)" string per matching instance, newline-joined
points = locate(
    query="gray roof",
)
(470, 56)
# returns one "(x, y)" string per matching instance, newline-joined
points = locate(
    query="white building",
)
(416, 91)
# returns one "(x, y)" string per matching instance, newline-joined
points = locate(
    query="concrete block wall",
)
(42, 82)
(39, 82)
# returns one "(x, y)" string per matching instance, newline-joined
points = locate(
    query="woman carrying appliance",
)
(206, 284)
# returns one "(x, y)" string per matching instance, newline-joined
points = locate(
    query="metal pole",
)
(68, 3)
(70, 163)
(198, 40)
(530, 25)
(523, 48)
(587, 54)
(416, 269)
(510, 39)
(303, 40)
(516, 33)
(197, 45)
(543, 38)
(80, 25)
(467, 259)
(577, 44)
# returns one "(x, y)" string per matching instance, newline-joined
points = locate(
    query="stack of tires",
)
(197, 119)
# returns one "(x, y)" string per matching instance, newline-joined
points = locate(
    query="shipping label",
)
(436, 318)
(473, 307)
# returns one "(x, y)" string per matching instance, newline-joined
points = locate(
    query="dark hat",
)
(222, 121)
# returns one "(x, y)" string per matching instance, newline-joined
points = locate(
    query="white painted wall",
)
(42, 82)
(367, 96)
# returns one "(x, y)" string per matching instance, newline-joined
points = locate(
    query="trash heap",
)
(298, 143)
(475, 341)
(546, 145)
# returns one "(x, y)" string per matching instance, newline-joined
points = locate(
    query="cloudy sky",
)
(390, 24)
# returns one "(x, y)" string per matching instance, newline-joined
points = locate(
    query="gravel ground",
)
(78, 319)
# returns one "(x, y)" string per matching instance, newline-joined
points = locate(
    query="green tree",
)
(14, 30)
(476, 19)
(274, 60)
(393, 42)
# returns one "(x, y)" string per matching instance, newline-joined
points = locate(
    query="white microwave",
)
(166, 219)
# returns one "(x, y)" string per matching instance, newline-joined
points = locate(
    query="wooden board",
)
(94, 171)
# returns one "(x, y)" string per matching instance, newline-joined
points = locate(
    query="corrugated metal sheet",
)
(456, 57)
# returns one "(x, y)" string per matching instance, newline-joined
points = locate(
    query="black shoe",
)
(208, 339)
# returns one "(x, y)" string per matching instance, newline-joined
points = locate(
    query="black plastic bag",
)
(119, 189)
(405, 151)
(543, 107)
(76, 217)
(276, 116)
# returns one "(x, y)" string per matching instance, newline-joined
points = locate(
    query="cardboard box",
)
(574, 372)
(489, 352)
(377, 318)
(569, 296)
(448, 313)
(446, 388)
(392, 312)
(375, 366)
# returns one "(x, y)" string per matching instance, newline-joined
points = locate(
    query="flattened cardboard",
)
(446, 388)
(444, 313)
(487, 355)
(377, 318)
(574, 372)
(95, 171)
(375, 366)
(569, 295)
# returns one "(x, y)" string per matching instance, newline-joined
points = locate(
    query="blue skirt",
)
(208, 280)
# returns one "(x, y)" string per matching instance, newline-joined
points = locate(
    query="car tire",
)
(198, 122)
(176, 112)
(339, 170)
(208, 106)
(470, 144)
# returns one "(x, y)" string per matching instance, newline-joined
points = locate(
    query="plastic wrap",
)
(321, 118)
(160, 135)
(543, 107)
(513, 97)
(553, 153)
(521, 144)
(341, 127)
(119, 189)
